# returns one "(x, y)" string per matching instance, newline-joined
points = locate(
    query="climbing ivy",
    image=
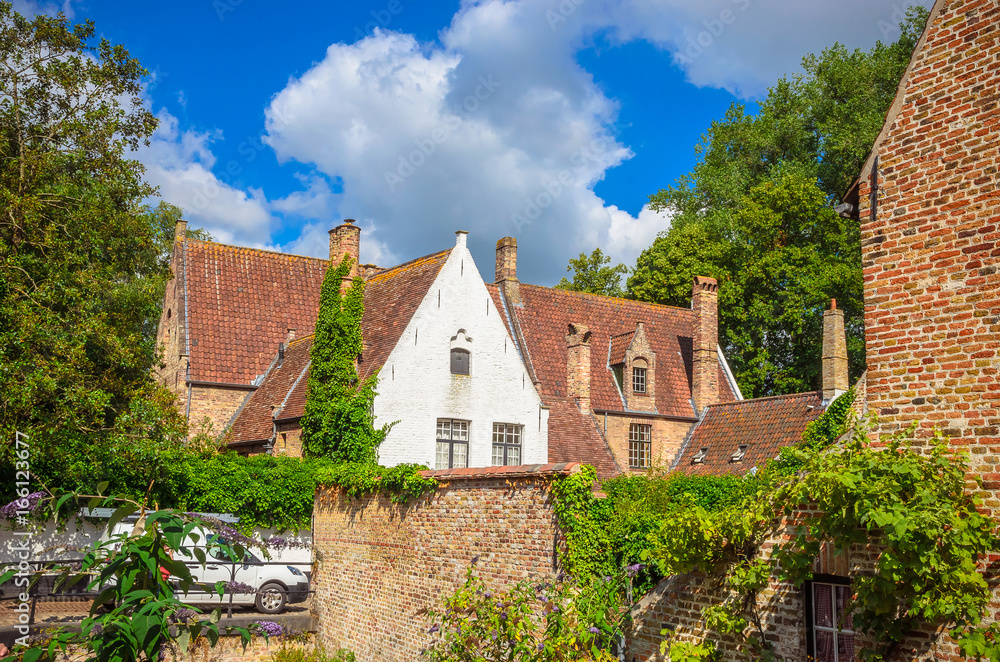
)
(402, 482)
(910, 497)
(339, 421)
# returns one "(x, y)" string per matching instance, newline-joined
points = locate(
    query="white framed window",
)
(506, 444)
(639, 446)
(452, 450)
(638, 380)
(831, 633)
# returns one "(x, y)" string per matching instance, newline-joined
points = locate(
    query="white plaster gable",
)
(416, 387)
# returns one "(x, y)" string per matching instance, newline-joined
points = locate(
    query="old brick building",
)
(621, 375)
(237, 327)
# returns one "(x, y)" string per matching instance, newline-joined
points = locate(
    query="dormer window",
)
(638, 379)
(740, 452)
(699, 457)
(460, 361)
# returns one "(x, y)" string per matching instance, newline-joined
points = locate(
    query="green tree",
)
(81, 268)
(339, 422)
(756, 212)
(592, 273)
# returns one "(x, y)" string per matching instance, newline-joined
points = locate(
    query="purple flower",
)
(593, 630)
(541, 647)
(434, 628)
(633, 570)
(184, 614)
(240, 587)
(28, 503)
(268, 628)
(475, 559)
(487, 595)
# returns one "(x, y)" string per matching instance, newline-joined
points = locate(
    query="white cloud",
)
(49, 7)
(180, 164)
(628, 236)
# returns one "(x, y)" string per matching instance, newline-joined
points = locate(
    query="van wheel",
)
(271, 599)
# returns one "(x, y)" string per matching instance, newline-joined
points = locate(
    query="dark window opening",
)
(639, 446)
(506, 444)
(638, 380)
(830, 628)
(459, 361)
(452, 451)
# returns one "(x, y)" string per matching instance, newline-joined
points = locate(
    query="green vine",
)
(402, 482)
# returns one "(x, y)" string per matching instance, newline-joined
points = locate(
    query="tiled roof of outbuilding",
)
(241, 303)
(391, 298)
(763, 424)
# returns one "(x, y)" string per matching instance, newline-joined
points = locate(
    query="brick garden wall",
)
(379, 562)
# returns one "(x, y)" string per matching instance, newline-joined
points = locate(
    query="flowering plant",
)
(541, 621)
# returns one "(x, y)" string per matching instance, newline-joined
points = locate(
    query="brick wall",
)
(379, 562)
(216, 403)
(666, 437)
(932, 291)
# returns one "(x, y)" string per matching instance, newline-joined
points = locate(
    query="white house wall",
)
(416, 386)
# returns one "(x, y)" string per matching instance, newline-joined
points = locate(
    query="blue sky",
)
(548, 120)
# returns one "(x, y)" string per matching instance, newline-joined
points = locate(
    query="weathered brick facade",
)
(379, 562)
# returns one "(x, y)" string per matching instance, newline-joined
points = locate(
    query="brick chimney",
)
(506, 269)
(345, 239)
(578, 365)
(705, 374)
(835, 379)
(180, 230)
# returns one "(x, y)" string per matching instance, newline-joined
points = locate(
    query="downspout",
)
(187, 377)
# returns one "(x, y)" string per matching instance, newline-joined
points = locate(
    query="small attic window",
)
(699, 457)
(459, 361)
(740, 452)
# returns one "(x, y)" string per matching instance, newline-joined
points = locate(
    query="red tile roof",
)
(391, 298)
(546, 313)
(620, 345)
(241, 303)
(253, 422)
(764, 425)
(575, 437)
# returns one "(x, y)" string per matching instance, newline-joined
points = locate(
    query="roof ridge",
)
(259, 250)
(620, 335)
(382, 272)
(605, 296)
(769, 397)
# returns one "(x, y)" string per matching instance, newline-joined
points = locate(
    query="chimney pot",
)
(506, 270)
(835, 363)
(345, 240)
(705, 371)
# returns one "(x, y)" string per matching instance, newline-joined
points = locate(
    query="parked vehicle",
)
(269, 586)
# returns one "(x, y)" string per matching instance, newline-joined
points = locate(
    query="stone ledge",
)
(519, 471)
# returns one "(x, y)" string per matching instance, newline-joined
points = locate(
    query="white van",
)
(274, 584)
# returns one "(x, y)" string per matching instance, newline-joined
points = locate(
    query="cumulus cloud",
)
(49, 7)
(180, 162)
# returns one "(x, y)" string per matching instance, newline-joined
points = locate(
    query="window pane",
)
(824, 647)
(458, 455)
(513, 455)
(845, 622)
(444, 429)
(441, 455)
(517, 434)
(460, 430)
(497, 433)
(845, 647)
(823, 606)
(498, 456)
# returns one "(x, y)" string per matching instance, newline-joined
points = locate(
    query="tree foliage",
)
(756, 212)
(339, 422)
(81, 260)
(593, 273)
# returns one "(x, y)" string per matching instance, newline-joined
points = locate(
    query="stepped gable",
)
(391, 298)
(764, 425)
(241, 302)
(546, 313)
